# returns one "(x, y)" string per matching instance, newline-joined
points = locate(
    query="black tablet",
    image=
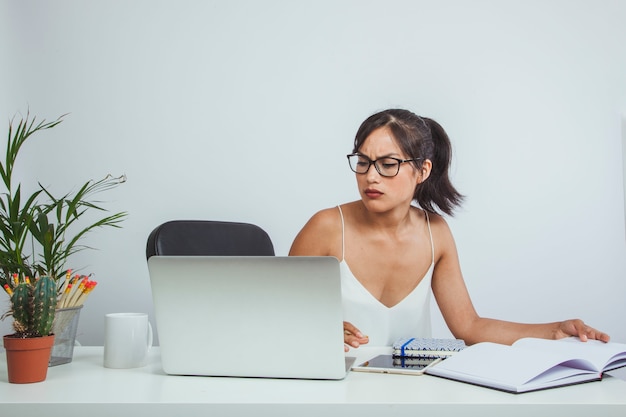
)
(388, 364)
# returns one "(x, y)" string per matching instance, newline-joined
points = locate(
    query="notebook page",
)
(593, 351)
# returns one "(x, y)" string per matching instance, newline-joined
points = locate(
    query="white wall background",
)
(244, 110)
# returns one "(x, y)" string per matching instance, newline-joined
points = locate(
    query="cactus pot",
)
(27, 358)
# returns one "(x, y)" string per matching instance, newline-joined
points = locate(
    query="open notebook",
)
(532, 364)
(266, 316)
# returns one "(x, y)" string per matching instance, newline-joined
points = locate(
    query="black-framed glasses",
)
(386, 166)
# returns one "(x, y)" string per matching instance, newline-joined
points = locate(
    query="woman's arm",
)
(461, 317)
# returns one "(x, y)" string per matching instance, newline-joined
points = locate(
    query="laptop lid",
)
(263, 316)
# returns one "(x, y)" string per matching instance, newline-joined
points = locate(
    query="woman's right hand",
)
(352, 337)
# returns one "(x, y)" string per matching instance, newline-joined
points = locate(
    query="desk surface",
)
(85, 388)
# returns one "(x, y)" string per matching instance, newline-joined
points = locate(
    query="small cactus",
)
(33, 307)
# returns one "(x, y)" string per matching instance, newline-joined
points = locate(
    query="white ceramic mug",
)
(127, 340)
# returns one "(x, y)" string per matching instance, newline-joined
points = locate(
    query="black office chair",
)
(208, 238)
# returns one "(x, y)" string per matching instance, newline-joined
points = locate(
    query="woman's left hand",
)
(578, 328)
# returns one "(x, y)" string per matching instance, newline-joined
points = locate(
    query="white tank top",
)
(384, 325)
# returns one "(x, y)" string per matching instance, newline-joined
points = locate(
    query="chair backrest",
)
(208, 238)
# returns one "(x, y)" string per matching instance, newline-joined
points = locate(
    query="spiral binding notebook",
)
(419, 347)
(266, 316)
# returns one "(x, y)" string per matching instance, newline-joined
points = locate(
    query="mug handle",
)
(150, 336)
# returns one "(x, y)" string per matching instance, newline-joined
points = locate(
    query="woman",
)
(392, 253)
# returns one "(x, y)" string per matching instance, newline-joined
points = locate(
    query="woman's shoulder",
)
(331, 217)
(325, 219)
(442, 235)
(436, 219)
(436, 223)
(321, 235)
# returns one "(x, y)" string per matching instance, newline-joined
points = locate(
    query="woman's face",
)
(381, 194)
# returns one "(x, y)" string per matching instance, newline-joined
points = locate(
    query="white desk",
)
(84, 388)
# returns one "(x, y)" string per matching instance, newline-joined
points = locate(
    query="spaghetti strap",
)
(343, 229)
(430, 232)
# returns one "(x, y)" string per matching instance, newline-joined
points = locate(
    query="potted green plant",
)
(39, 233)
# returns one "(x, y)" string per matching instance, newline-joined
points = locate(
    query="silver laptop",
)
(265, 316)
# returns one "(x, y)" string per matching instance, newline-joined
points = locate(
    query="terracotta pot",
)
(27, 359)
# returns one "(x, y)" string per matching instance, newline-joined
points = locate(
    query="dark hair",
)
(419, 137)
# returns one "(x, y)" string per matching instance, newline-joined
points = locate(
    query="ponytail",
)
(437, 189)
